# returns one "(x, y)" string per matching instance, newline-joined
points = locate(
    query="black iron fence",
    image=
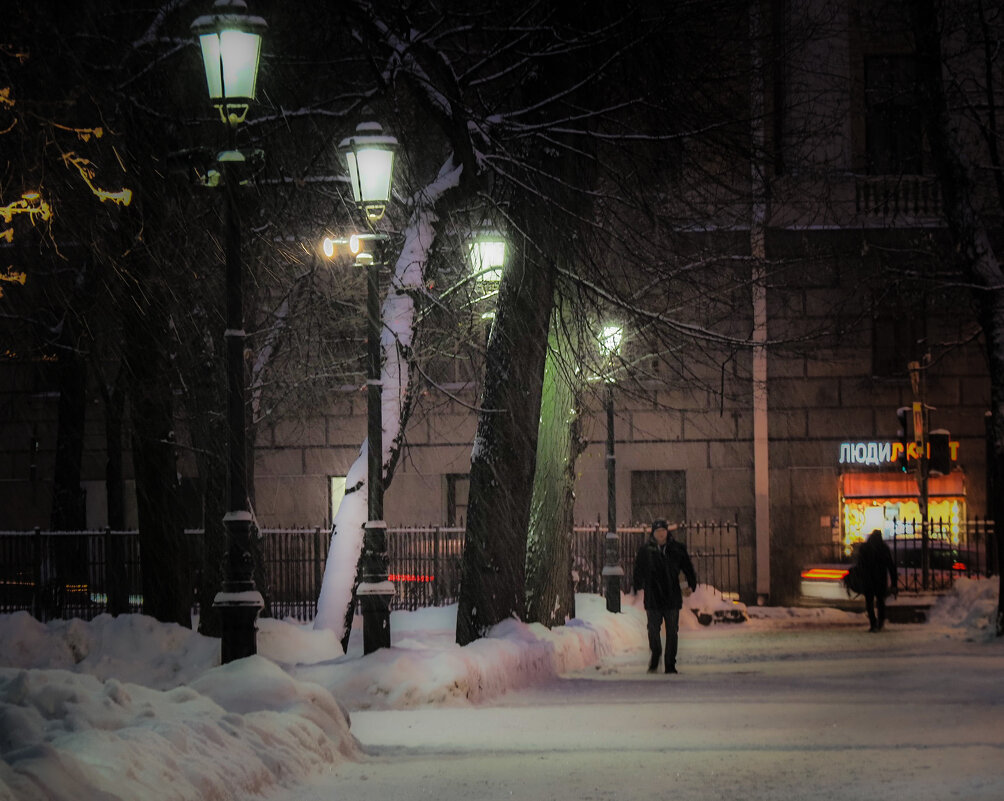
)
(56, 574)
(954, 549)
(65, 574)
(713, 548)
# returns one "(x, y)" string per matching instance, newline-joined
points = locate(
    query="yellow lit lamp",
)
(360, 246)
(230, 39)
(369, 156)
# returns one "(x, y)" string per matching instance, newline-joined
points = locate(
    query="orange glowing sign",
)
(824, 574)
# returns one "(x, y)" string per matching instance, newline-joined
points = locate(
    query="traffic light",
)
(940, 463)
(902, 414)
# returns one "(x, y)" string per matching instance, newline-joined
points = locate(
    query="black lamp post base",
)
(612, 571)
(376, 620)
(613, 593)
(238, 612)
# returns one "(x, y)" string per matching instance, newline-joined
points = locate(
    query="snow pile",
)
(426, 666)
(128, 708)
(238, 730)
(106, 648)
(971, 607)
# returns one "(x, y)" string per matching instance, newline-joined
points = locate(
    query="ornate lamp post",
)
(610, 343)
(369, 155)
(230, 40)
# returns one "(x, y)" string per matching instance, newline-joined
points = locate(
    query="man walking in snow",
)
(878, 574)
(657, 569)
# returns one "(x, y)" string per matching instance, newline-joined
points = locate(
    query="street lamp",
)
(610, 343)
(486, 253)
(369, 156)
(230, 39)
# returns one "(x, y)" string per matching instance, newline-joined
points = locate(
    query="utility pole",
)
(918, 383)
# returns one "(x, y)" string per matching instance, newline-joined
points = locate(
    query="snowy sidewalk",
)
(128, 708)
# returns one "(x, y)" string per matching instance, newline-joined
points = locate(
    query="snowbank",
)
(237, 730)
(128, 708)
(970, 608)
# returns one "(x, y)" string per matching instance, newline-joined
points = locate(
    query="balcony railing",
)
(889, 196)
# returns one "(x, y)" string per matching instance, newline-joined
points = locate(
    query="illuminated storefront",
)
(889, 500)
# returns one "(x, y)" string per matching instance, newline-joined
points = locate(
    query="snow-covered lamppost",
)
(230, 40)
(369, 155)
(610, 343)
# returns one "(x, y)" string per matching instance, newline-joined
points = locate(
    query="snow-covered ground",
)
(128, 708)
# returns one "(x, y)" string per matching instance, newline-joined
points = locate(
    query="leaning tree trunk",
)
(548, 206)
(550, 596)
(969, 233)
(504, 455)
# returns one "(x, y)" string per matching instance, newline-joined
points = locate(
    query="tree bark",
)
(116, 580)
(504, 457)
(550, 596)
(69, 508)
(166, 566)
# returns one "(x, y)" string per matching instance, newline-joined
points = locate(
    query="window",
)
(893, 122)
(336, 491)
(658, 493)
(457, 487)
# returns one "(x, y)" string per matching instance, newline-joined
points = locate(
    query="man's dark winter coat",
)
(877, 566)
(658, 573)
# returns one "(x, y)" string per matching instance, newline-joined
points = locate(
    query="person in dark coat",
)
(657, 569)
(878, 574)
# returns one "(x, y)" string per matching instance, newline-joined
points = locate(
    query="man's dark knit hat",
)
(660, 523)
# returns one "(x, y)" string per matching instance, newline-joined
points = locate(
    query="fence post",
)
(115, 577)
(316, 590)
(37, 602)
(435, 566)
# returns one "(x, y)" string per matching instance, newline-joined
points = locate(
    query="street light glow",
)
(369, 157)
(487, 256)
(231, 61)
(610, 339)
(230, 40)
(354, 244)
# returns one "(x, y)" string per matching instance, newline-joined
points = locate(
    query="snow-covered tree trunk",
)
(398, 319)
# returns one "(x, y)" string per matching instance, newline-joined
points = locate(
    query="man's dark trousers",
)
(656, 617)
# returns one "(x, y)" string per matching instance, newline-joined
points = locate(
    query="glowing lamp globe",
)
(230, 39)
(487, 256)
(369, 156)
